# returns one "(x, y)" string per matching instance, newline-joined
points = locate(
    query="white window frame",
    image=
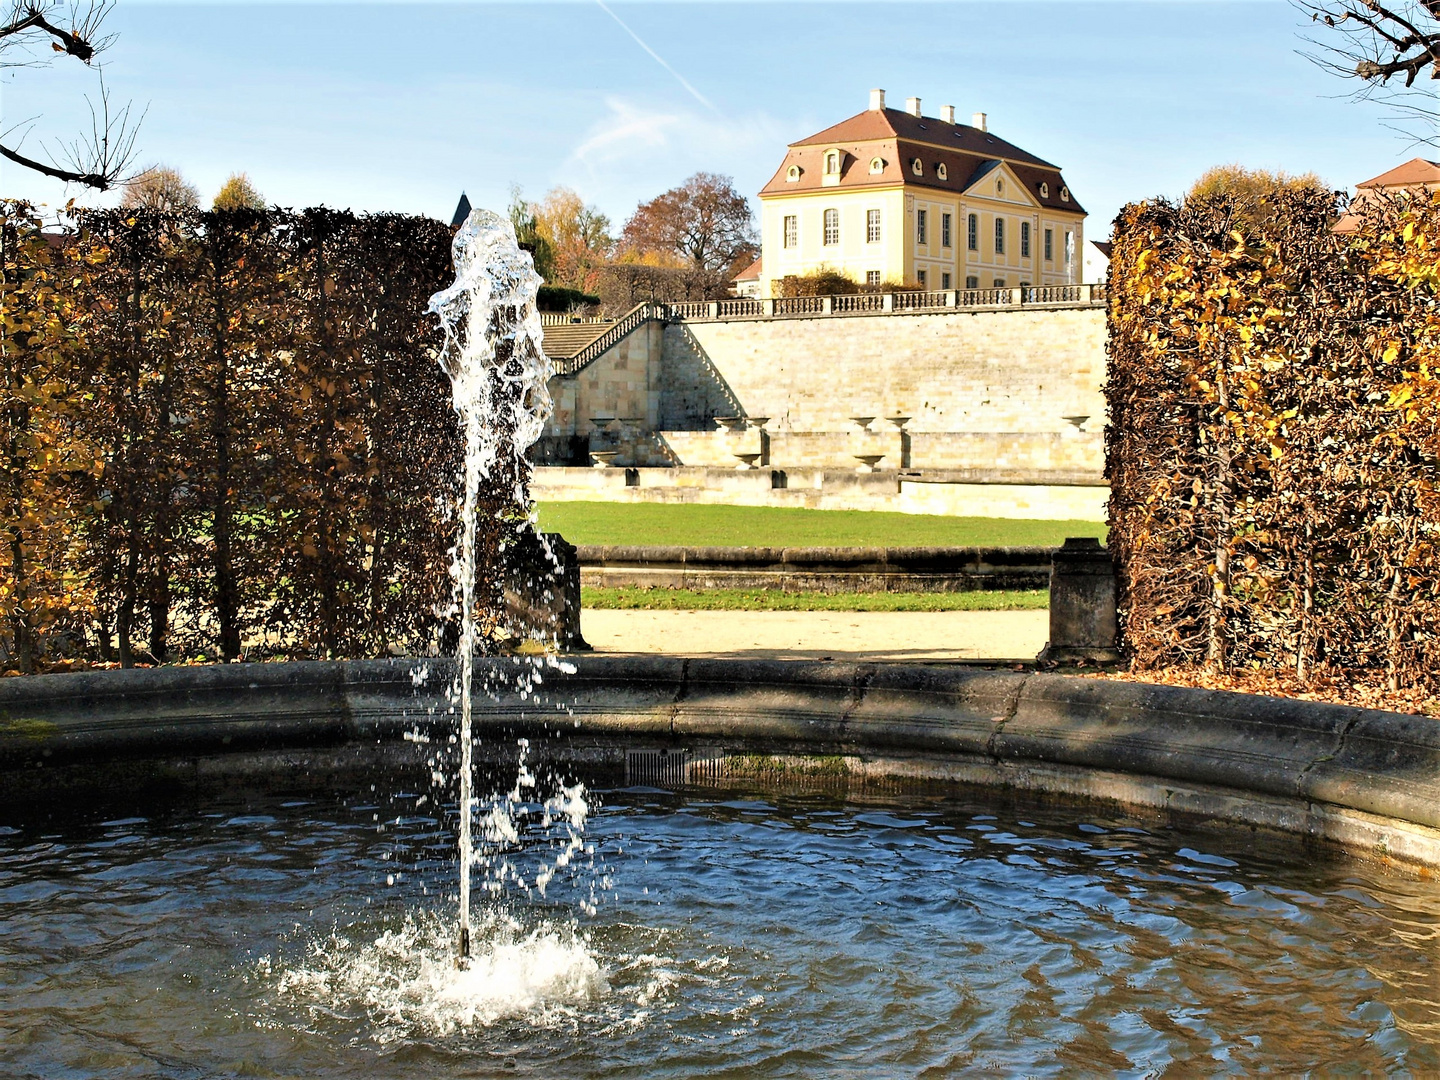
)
(872, 227)
(921, 230)
(945, 222)
(830, 219)
(999, 234)
(790, 231)
(1024, 239)
(972, 233)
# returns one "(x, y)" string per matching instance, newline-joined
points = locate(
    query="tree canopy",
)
(161, 188)
(704, 221)
(238, 193)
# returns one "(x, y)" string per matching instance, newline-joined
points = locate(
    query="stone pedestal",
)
(542, 590)
(1083, 619)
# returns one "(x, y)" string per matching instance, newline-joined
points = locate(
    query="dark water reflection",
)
(738, 936)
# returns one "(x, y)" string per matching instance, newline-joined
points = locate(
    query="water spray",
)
(494, 355)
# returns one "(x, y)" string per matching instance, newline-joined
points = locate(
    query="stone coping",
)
(873, 559)
(1365, 779)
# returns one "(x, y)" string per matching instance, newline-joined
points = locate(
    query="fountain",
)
(800, 868)
(494, 354)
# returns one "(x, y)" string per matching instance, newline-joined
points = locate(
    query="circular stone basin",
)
(735, 931)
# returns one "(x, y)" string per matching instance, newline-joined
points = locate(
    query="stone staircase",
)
(567, 340)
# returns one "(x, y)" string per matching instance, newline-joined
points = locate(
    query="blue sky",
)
(389, 106)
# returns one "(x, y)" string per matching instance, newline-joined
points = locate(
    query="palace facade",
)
(892, 197)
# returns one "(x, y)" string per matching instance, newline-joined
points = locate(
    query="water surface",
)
(699, 934)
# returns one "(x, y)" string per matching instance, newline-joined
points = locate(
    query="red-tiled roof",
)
(896, 124)
(898, 138)
(1413, 172)
(751, 272)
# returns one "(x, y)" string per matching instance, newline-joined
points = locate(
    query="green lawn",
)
(631, 597)
(764, 526)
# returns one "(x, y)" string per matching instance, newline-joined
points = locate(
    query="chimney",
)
(912, 106)
(978, 121)
(947, 114)
(877, 100)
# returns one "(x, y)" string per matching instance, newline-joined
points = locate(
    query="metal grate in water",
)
(656, 768)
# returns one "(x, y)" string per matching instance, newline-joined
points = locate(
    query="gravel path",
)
(839, 635)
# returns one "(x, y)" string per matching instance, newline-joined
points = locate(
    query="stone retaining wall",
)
(992, 493)
(827, 570)
(1366, 780)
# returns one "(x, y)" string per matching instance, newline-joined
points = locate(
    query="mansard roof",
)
(897, 138)
(875, 124)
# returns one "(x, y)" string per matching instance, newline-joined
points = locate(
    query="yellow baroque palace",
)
(892, 197)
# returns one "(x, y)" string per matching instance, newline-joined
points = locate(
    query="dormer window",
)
(832, 163)
(1064, 194)
(941, 172)
(792, 174)
(917, 166)
(1044, 190)
(876, 166)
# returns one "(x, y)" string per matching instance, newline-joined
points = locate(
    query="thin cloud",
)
(625, 126)
(659, 59)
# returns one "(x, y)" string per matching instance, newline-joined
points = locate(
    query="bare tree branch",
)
(101, 159)
(1375, 41)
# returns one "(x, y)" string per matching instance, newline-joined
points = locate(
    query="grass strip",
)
(697, 525)
(631, 598)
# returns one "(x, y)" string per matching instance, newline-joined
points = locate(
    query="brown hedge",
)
(273, 439)
(1272, 442)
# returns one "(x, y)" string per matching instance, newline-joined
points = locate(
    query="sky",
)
(400, 107)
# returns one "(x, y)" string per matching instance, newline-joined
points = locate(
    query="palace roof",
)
(897, 138)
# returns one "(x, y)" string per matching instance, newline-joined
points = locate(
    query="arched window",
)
(792, 174)
(832, 227)
(1044, 190)
(1064, 194)
(972, 232)
(917, 166)
(941, 172)
(999, 236)
(832, 163)
(876, 165)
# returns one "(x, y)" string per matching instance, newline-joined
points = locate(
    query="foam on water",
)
(405, 982)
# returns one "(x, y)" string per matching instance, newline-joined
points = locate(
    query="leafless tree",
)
(32, 33)
(1387, 45)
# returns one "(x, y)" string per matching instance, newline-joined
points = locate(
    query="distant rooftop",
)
(462, 211)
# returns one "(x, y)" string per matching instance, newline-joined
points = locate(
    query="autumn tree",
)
(1254, 192)
(238, 193)
(578, 236)
(31, 33)
(704, 221)
(161, 188)
(523, 217)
